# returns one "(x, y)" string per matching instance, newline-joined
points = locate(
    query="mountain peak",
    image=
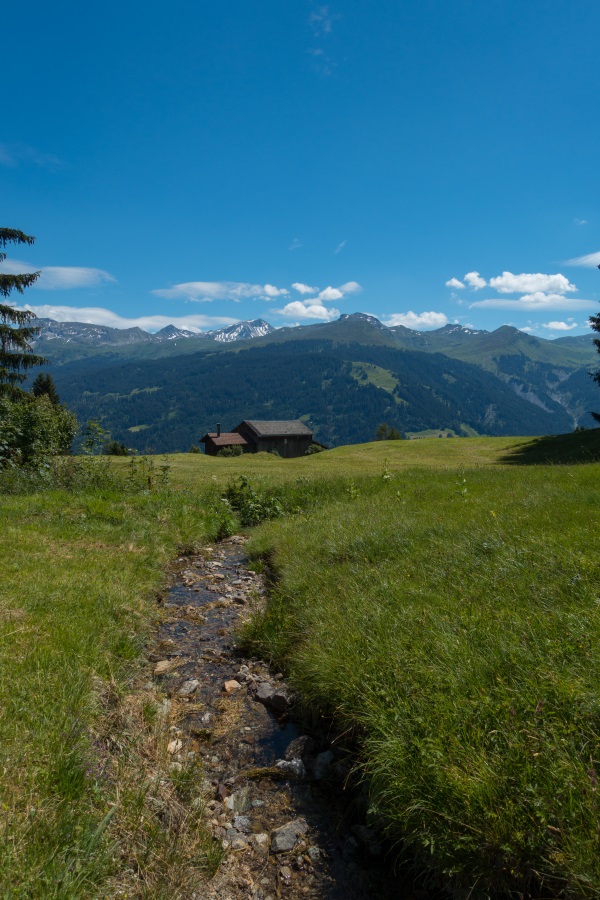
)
(170, 332)
(362, 317)
(242, 331)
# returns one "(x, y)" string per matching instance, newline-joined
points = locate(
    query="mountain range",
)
(162, 391)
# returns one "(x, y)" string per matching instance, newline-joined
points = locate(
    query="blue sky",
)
(198, 163)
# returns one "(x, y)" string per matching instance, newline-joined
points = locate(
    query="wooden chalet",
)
(289, 438)
(218, 440)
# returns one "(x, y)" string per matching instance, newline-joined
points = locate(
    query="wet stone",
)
(260, 842)
(243, 824)
(300, 747)
(288, 836)
(239, 801)
(293, 767)
(188, 687)
(274, 698)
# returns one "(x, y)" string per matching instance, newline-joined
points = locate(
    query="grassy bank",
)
(451, 620)
(80, 571)
(434, 597)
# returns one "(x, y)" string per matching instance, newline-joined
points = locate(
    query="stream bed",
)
(282, 802)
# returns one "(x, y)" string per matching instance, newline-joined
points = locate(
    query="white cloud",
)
(55, 278)
(207, 291)
(588, 262)
(296, 244)
(537, 300)
(417, 321)
(59, 278)
(533, 282)
(14, 155)
(559, 326)
(330, 293)
(272, 291)
(527, 329)
(304, 288)
(351, 287)
(99, 316)
(474, 280)
(321, 20)
(580, 221)
(340, 246)
(308, 309)
(455, 283)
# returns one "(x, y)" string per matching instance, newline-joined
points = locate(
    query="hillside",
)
(342, 391)
(342, 377)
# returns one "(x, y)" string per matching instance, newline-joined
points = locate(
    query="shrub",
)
(114, 448)
(234, 450)
(32, 431)
(251, 506)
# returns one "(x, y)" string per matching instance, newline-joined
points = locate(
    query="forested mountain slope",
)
(342, 390)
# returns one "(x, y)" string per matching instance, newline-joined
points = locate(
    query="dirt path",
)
(275, 797)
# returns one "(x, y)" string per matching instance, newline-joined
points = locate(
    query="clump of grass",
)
(453, 622)
(80, 570)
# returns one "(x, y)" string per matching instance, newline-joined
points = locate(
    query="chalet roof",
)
(277, 429)
(225, 439)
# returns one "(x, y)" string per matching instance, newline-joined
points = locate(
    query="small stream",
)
(275, 797)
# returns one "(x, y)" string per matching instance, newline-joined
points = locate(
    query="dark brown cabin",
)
(217, 440)
(289, 438)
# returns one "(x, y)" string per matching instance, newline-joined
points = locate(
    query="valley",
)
(159, 393)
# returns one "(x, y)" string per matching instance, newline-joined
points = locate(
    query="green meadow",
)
(437, 599)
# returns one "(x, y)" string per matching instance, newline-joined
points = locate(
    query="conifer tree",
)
(16, 355)
(44, 386)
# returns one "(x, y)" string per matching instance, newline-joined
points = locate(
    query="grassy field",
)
(80, 572)
(450, 620)
(436, 597)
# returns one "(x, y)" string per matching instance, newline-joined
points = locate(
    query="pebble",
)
(231, 686)
(239, 842)
(293, 767)
(274, 698)
(243, 824)
(288, 836)
(188, 687)
(299, 747)
(260, 841)
(163, 666)
(239, 801)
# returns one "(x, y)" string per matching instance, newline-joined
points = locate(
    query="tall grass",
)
(452, 622)
(442, 607)
(79, 574)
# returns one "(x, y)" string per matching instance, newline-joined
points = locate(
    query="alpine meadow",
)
(299, 451)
